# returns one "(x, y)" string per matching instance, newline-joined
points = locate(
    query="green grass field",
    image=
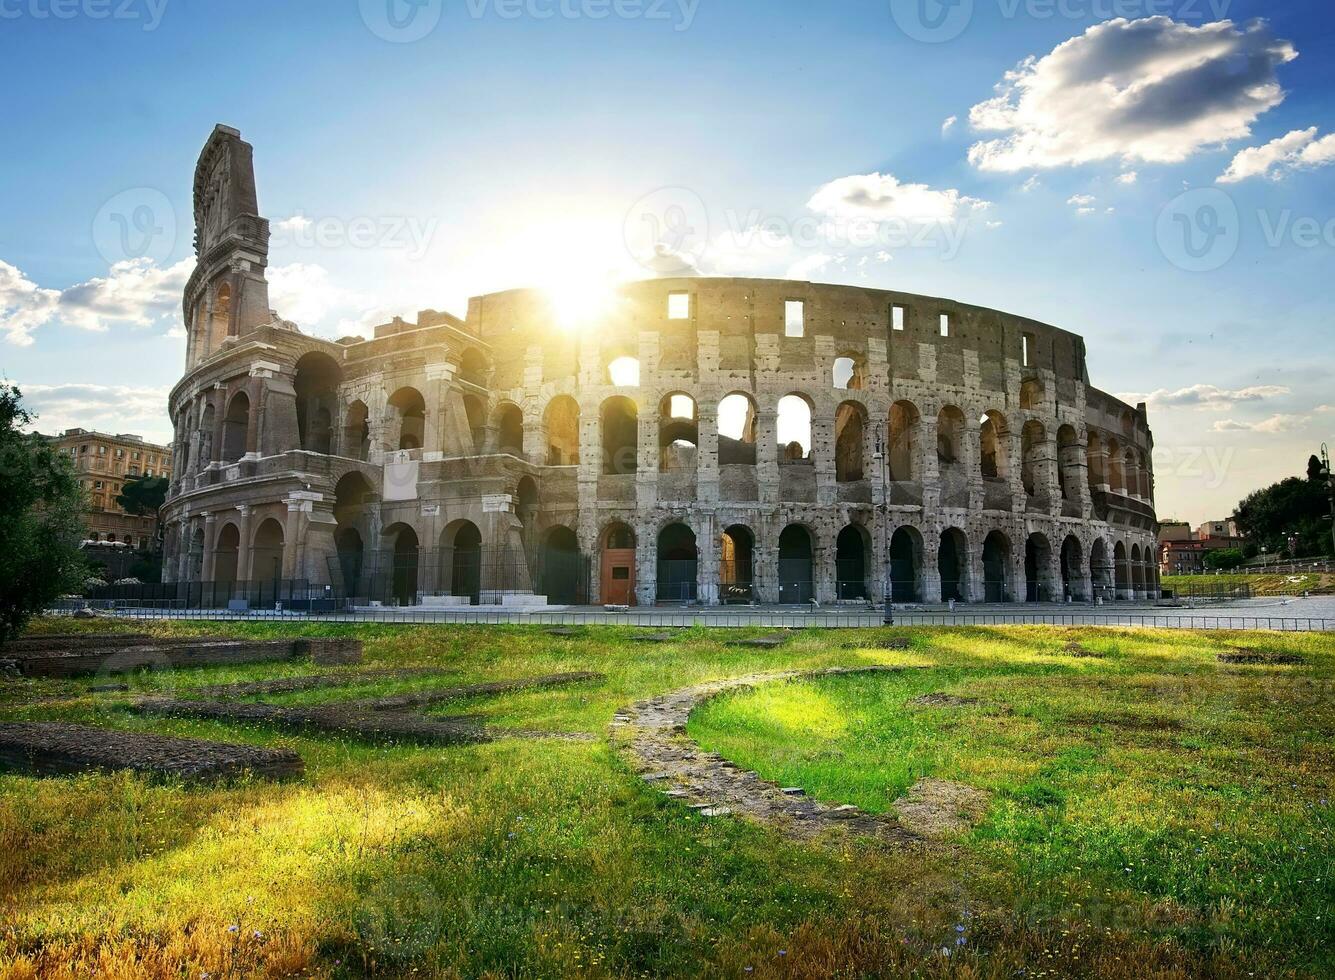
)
(1155, 813)
(1261, 585)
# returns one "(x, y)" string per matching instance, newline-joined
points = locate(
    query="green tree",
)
(41, 519)
(1297, 508)
(1223, 558)
(145, 495)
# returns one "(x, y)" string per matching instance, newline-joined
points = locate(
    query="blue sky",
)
(523, 142)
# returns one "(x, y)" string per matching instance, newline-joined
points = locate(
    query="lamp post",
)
(882, 458)
(1330, 486)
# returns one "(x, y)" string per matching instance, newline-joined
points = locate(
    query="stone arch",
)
(1137, 571)
(1070, 460)
(850, 372)
(797, 565)
(402, 553)
(526, 507)
(562, 424)
(1116, 469)
(678, 563)
(1121, 570)
(207, 421)
(850, 436)
(952, 563)
(236, 428)
(266, 552)
(737, 430)
(678, 433)
(1033, 448)
(409, 414)
(950, 460)
(906, 564)
(997, 568)
(317, 380)
(1073, 568)
(617, 563)
(509, 423)
(994, 446)
(357, 431)
(1094, 459)
(795, 416)
(737, 545)
(461, 559)
(1039, 583)
(227, 555)
(350, 550)
(852, 554)
(474, 368)
(1101, 569)
(562, 567)
(620, 435)
(903, 452)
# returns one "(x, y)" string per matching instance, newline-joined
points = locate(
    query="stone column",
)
(210, 541)
(647, 455)
(929, 467)
(931, 569)
(436, 396)
(822, 457)
(767, 455)
(243, 550)
(707, 472)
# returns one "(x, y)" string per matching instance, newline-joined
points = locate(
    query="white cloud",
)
(1083, 203)
(1296, 150)
(24, 306)
(107, 408)
(1273, 425)
(808, 266)
(1151, 89)
(1033, 183)
(1130, 177)
(949, 124)
(1206, 396)
(883, 198)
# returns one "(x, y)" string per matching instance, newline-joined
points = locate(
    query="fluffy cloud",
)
(1207, 396)
(24, 306)
(1297, 150)
(1130, 177)
(949, 124)
(108, 408)
(881, 197)
(1151, 89)
(1083, 203)
(1273, 425)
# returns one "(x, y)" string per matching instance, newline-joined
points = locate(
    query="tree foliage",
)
(41, 519)
(1223, 558)
(1297, 507)
(143, 495)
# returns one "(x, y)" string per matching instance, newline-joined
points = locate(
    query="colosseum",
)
(699, 440)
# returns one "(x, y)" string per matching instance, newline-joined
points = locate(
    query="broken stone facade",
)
(699, 440)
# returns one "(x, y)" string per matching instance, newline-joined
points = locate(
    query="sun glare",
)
(580, 305)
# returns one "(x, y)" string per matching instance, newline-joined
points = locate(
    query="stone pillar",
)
(707, 472)
(210, 541)
(243, 549)
(824, 570)
(707, 550)
(977, 587)
(436, 397)
(929, 467)
(294, 536)
(973, 458)
(767, 455)
(931, 569)
(823, 458)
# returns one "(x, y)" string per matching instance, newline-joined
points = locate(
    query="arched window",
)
(678, 564)
(737, 564)
(678, 434)
(562, 421)
(1033, 457)
(408, 409)
(737, 430)
(993, 442)
(510, 429)
(850, 373)
(318, 377)
(796, 566)
(236, 428)
(952, 561)
(794, 429)
(905, 422)
(850, 427)
(624, 372)
(266, 562)
(620, 436)
(1031, 394)
(357, 431)
(850, 563)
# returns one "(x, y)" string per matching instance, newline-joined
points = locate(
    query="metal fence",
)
(481, 576)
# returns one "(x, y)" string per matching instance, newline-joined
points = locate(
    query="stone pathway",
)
(652, 734)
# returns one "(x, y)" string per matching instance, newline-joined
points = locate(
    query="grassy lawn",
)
(1155, 814)
(1260, 584)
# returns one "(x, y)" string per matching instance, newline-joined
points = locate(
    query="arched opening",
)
(226, 555)
(621, 434)
(236, 428)
(950, 457)
(1121, 571)
(357, 431)
(1073, 575)
(624, 372)
(510, 430)
(996, 568)
(1137, 572)
(1130, 473)
(562, 567)
(1101, 570)
(1031, 394)
(562, 423)
(993, 441)
(678, 564)
(1094, 460)
(473, 367)
(850, 428)
(678, 434)
(1038, 569)
(403, 553)
(796, 579)
(1070, 459)
(462, 546)
(850, 563)
(618, 566)
(475, 408)
(737, 430)
(737, 565)
(850, 373)
(206, 423)
(351, 552)
(220, 323)
(409, 409)
(794, 425)
(1116, 473)
(266, 561)
(903, 449)
(318, 378)
(953, 564)
(906, 565)
(1033, 440)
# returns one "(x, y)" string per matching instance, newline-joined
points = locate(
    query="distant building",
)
(1175, 531)
(1182, 557)
(1182, 550)
(104, 463)
(1220, 534)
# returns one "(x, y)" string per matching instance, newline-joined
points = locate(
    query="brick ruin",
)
(702, 440)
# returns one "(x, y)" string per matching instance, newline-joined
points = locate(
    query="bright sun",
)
(580, 304)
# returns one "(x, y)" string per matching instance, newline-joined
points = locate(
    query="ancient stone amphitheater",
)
(700, 440)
